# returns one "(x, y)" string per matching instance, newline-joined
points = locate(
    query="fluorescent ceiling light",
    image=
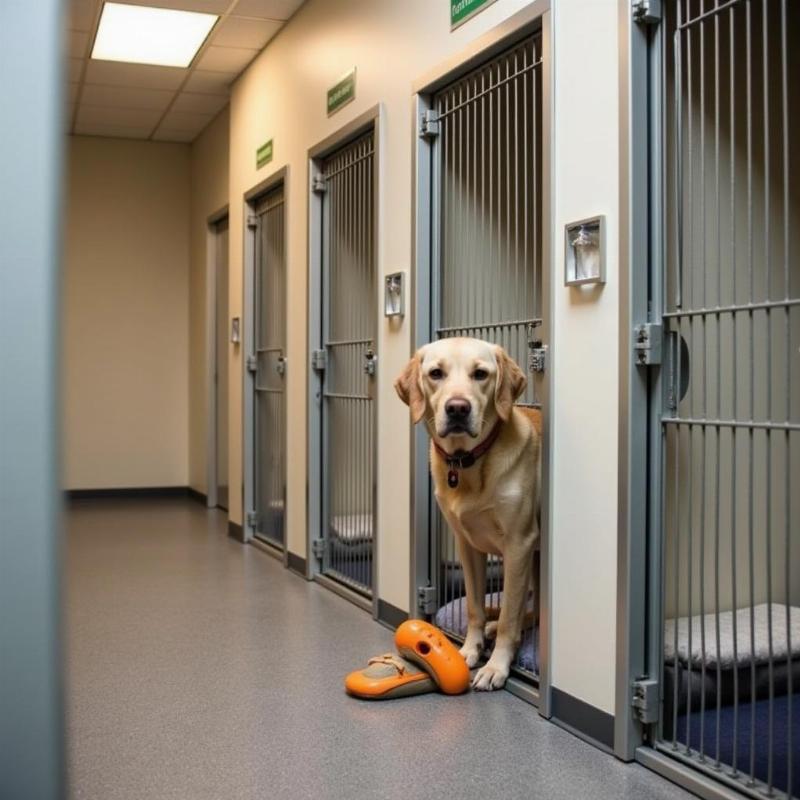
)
(146, 35)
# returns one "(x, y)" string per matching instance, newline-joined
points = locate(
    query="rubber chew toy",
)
(429, 648)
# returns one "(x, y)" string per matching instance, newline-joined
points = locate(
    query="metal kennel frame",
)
(481, 241)
(266, 365)
(344, 361)
(722, 569)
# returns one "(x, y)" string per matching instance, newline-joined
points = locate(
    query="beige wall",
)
(209, 193)
(125, 314)
(282, 95)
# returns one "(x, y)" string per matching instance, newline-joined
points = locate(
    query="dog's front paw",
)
(471, 653)
(491, 676)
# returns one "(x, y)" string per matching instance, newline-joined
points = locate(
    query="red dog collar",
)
(464, 459)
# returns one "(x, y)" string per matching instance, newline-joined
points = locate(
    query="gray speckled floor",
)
(200, 668)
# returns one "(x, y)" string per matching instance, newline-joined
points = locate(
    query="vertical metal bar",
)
(679, 194)
(768, 321)
(788, 374)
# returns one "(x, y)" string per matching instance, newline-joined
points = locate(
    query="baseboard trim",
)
(584, 720)
(143, 492)
(296, 564)
(389, 615)
(235, 531)
(197, 495)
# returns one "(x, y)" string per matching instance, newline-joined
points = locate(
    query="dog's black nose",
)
(457, 408)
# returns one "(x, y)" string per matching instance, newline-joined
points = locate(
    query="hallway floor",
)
(200, 668)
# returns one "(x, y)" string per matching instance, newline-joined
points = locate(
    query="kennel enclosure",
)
(724, 594)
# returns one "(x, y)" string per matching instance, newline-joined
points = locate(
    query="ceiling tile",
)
(203, 6)
(203, 82)
(226, 59)
(81, 14)
(75, 67)
(73, 92)
(116, 73)
(126, 97)
(267, 9)
(242, 32)
(109, 115)
(167, 135)
(185, 121)
(76, 43)
(124, 131)
(200, 103)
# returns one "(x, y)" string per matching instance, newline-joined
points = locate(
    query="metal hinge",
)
(319, 359)
(646, 12)
(252, 221)
(647, 344)
(252, 519)
(429, 124)
(280, 367)
(318, 548)
(318, 184)
(426, 599)
(537, 356)
(644, 700)
(251, 363)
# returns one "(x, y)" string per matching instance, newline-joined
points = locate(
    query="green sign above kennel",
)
(462, 10)
(264, 154)
(342, 92)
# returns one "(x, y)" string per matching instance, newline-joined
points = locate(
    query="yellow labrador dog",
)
(485, 466)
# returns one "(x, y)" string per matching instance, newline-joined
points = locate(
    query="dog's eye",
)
(436, 374)
(480, 375)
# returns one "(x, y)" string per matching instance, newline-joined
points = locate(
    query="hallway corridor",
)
(200, 668)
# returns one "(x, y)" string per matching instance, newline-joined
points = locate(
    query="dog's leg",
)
(517, 566)
(474, 565)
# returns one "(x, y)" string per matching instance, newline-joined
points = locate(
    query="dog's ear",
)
(409, 387)
(510, 384)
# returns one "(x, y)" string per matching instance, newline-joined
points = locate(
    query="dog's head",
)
(461, 386)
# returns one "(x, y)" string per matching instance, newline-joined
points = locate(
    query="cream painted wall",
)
(126, 314)
(209, 193)
(585, 364)
(282, 95)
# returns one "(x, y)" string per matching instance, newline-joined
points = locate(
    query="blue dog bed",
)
(742, 743)
(453, 619)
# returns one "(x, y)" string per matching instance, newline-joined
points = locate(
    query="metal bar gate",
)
(729, 416)
(269, 367)
(486, 257)
(348, 362)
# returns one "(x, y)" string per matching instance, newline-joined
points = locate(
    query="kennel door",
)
(349, 324)
(270, 370)
(487, 271)
(729, 417)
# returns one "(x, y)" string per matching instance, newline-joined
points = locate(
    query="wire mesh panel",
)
(487, 255)
(269, 388)
(730, 428)
(349, 330)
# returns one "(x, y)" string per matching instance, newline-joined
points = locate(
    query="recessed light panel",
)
(146, 35)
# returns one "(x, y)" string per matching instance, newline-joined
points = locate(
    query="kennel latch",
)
(429, 124)
(645, 700)
(426, 599)
(318, 184)
(318, 548)
(252, 519)
(647, 344)
(646, 12)
(252, 221)
(252, 363)
(537, 356)
(319, 360)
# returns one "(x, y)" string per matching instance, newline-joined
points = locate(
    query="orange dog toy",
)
(427, 660)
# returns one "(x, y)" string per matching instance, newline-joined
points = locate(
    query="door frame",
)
(537, 17)
(211, 351)
(280, 177)
(369, 119)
